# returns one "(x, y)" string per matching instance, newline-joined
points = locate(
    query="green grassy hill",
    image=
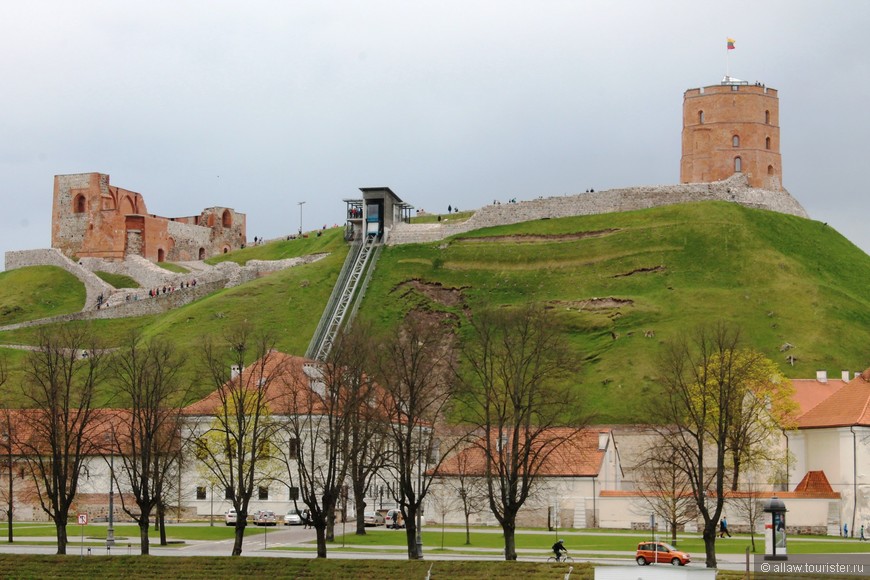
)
(622, 285)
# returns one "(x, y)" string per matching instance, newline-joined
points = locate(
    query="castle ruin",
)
(92, 219)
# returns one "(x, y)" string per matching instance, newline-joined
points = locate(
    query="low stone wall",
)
(94, 286)
(735, 189)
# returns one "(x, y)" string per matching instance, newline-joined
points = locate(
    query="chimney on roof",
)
(235, 371)
(822, 376)
(845, 375)
(603, 437)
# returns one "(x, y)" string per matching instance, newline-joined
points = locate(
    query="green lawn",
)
(38, 292)
(117, 280)
(599, 543)
(178, 269)
(124, 531)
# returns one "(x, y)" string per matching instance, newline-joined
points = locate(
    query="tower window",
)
(79, 204)
(735, 141)
(700, 117)
(770, 169)
(227, 219)
(767, 143)
(767, 117)
(738, 165)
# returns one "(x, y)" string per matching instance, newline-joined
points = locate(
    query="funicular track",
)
(346, 295)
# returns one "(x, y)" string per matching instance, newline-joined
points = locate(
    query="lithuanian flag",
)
(731, 42)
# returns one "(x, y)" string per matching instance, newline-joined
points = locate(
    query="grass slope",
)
(38, 292)
(117, 280)
(660, 272)
(782, 279)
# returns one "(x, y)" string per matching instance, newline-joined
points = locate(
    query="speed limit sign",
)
(83, 519)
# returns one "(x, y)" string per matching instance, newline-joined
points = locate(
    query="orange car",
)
(655, 552)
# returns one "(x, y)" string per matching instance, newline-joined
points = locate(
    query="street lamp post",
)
(419, 491)
(110, 533)
(301, 203)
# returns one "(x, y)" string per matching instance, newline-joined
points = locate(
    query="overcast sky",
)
(262, 105)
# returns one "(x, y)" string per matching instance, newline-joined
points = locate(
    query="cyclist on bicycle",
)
(558, 548)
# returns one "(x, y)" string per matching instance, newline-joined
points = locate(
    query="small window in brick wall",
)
(263, 493)
(200, 492)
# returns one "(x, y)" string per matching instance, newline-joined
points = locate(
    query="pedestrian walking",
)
(723, 528)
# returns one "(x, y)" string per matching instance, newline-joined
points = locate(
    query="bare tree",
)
(367, 441)
(236, 447)
(749, 506)
(705, 378)
(7, 436)
(318, 425)
(147, 439)
(63, 375)
(665, 488)
(470, 489)
(414, 367)
(517, 365)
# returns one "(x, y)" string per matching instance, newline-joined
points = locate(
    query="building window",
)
(200, 492)
(735, 88)
(161, 255)
(293, 448)
(770, 169)
(227, 218)
(228, 493)
(294, 493)
(202, 253)
(767, 143)
(738, 165)
(700, 117)
(735, 141)
(79, 204)
(262, 493)
(767, 117)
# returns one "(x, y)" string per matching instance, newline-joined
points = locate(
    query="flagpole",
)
(727, 63)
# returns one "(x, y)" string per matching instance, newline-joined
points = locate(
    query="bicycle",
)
(564, 559)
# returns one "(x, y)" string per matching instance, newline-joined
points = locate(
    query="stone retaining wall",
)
(734, 189)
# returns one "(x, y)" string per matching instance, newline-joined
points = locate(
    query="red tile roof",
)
(811, 392)
(849, 405)
(814, 482)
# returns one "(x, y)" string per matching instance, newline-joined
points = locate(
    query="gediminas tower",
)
(731, 128)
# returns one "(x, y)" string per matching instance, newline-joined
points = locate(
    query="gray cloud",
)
(446, 102)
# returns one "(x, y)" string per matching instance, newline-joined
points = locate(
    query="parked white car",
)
(293, 518)
(230, 517)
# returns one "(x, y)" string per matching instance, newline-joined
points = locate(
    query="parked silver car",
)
(265, 518)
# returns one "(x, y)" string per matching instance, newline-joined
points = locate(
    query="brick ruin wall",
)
(734, 189)
(91, 218)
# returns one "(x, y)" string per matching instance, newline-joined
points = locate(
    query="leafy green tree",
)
(708, 377)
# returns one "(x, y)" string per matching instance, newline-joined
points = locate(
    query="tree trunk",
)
(673, 533)
(710, 543)
(320, 530)
(241, 522)
(411, 534)
(735, 474)
(359, 505)
(330, 525)
(60, 526)
(467, 530)
(160, 522)
(510, 545)
(144, 528)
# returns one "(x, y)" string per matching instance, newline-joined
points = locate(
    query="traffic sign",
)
(83, 519)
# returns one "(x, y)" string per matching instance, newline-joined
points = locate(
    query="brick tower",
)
(731, 128)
